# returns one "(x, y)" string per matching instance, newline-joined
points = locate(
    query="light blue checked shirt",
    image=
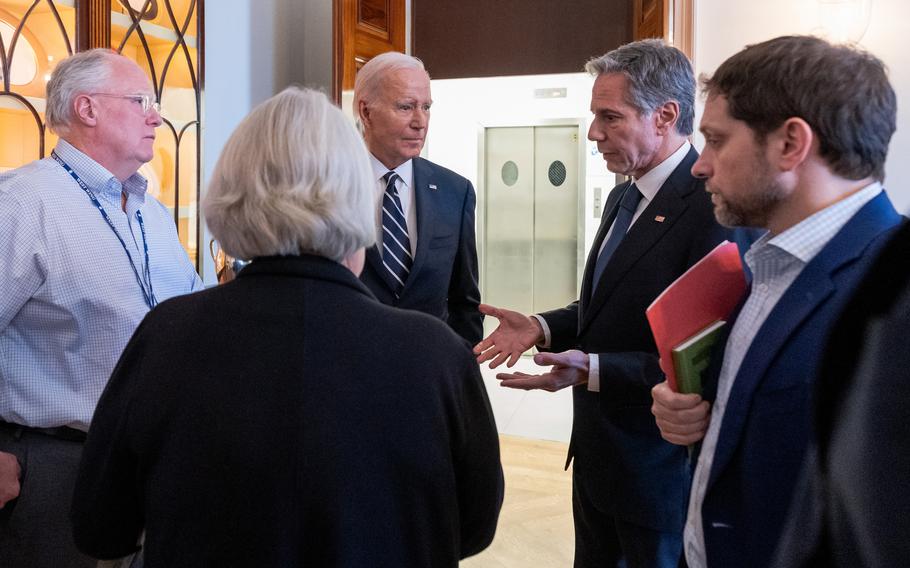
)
(69, 300)
(775, 262)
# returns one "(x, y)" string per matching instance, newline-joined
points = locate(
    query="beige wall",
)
(723, 27)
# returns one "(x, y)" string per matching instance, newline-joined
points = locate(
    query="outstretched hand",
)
(516, 334)
(570, 368)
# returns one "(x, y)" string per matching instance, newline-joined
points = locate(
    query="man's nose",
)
(154, 117)
(701, 168)
(594, 133)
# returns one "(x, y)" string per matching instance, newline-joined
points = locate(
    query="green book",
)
(692, 357)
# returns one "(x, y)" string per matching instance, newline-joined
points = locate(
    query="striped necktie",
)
(396, 246)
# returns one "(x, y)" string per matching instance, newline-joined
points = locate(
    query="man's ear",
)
(85, 110)
(665, 116)
(794, 143)
(363, 113)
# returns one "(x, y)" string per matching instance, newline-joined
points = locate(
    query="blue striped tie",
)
(396, 246)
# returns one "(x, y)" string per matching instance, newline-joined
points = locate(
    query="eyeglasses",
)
(147, 102)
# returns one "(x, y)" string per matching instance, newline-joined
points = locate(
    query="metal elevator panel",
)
(509, 218)
(530, 243)
(555, 216)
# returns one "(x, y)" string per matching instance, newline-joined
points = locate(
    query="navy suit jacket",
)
(766, 423)
(851, 508)
(443, 278)
(640, 478)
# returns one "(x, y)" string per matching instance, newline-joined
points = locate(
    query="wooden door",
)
(672, 20)
(363, 30)
(650, 19)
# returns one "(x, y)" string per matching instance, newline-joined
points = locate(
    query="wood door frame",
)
(677, 27)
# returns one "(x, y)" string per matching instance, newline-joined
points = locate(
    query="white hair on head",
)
(369, 78)
(81, 73)
(293, 178)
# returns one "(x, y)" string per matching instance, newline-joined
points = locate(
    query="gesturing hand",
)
(570, 368)
(516, 334)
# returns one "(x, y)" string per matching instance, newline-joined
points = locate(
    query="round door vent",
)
(557, 173)
(509, 173)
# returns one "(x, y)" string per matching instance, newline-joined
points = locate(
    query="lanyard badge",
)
(148, 293)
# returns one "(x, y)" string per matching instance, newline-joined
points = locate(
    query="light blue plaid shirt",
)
(69, 300)
(775, 262)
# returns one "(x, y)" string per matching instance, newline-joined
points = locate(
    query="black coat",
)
(851, 507)
(443, 279)
(289, 419)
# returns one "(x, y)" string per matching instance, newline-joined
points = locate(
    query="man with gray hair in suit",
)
(85, 252)
(426, 259)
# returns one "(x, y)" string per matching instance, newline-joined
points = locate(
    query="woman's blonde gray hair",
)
(293, 178)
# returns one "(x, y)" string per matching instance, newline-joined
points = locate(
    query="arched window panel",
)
(21, 128)
(34, 37)
(162, 37)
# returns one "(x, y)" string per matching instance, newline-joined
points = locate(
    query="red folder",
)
(705, 293)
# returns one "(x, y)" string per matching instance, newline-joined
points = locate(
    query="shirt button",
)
(763, 288)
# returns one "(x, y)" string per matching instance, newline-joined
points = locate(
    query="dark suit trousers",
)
(35, 528)
(602, 540)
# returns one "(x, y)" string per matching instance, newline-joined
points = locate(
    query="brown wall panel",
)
(484, 38)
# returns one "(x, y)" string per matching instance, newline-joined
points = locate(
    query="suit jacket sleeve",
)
(464, 294)
(107, 509)
(479, 475)
(563, 324)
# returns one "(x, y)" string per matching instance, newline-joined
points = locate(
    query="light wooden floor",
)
(535, 526)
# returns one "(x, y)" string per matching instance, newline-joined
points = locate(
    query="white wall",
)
(255, 48)
(723, 27)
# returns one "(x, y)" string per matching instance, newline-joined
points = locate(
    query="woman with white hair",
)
(287, 418)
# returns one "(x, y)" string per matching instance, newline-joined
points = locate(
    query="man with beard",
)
(796, 137)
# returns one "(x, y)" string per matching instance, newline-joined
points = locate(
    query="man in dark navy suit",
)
(796, 136)
(426, 258)
(629, 486)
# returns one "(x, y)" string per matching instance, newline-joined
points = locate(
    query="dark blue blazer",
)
(766, 424)
(639, 477)
(443, 279)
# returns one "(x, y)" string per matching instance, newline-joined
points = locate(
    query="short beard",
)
(753, 209)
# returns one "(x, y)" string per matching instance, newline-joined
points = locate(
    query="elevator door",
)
(531, 218)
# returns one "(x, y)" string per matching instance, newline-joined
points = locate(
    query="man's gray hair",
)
(293, 178)
(657, 73)
(82, 73)
(370, 76)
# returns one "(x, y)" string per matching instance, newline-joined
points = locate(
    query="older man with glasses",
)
(84, 254)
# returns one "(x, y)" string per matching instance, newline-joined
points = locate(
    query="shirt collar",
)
(404, 171)
(97, 177)
(808, 237)
(650, 183)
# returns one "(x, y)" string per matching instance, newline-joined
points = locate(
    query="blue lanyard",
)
(148, 294)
